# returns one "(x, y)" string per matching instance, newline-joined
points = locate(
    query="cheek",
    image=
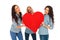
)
(30, 10)
(17, 10)
(46, 11)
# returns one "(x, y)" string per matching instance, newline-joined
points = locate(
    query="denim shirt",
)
(48, 21)
(14, 25)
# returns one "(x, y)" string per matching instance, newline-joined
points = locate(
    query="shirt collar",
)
(17, 15)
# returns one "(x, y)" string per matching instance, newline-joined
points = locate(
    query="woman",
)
(47, 24)
(16, 23)
(28, 31)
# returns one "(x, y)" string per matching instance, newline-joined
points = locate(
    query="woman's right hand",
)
(18, 26)
(22, 25)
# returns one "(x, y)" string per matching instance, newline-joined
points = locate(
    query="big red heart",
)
(33, 21)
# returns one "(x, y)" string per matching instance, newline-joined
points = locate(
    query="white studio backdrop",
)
(37, 5)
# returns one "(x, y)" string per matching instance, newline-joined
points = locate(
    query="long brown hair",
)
(14, 14)
(51, 15)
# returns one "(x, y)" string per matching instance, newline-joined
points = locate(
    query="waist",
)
(43, 31)
(29, 31)
(14, 29)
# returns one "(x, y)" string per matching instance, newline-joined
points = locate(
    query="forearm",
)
(47, 26)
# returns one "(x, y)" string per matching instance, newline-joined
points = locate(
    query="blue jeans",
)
(44, 37)
(27, 36)
(14, 35)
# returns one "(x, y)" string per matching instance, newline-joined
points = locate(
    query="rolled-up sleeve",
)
(51, 24)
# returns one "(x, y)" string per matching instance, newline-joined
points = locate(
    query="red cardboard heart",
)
(33, 21)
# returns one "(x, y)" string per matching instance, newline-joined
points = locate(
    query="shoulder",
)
(46, 16)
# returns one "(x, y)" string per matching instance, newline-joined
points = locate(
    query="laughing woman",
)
(16, 23)
(47, 24)
(28, 31)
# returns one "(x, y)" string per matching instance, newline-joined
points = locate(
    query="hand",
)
(48, 27)
(43, 24)
(18, 26)
(23, 24)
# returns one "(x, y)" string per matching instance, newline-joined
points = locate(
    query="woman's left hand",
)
(48, 27)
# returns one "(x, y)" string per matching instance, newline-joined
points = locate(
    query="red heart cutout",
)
(33, 21)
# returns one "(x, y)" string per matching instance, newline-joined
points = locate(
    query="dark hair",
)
(14, 14)
(50, 13)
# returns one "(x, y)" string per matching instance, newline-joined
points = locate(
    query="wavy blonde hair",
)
(30, 8)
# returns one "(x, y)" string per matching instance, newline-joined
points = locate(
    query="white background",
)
(37, 5)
